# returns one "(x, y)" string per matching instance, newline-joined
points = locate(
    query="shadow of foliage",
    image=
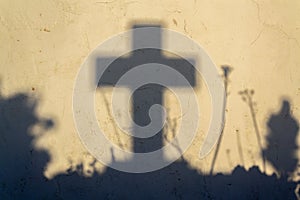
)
(22, 167)
(282, 140)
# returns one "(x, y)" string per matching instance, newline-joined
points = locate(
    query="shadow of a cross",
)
(149, 94)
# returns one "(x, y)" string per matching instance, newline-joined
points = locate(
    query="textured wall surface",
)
(255, 45)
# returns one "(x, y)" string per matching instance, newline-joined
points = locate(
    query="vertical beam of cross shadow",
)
(143, 99)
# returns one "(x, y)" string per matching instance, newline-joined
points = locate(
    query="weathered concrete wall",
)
(44, 43)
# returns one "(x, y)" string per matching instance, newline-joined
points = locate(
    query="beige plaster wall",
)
(43, 44)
